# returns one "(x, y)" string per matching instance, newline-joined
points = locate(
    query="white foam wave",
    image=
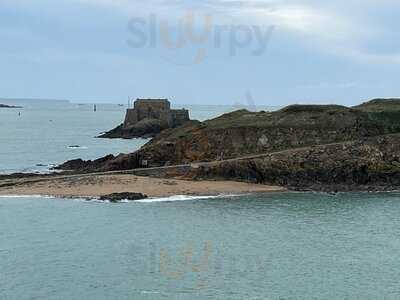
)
(77, 147)
(182, 198)
(150, 292)
(149, 200)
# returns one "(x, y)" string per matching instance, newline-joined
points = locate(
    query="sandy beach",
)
(99, 185)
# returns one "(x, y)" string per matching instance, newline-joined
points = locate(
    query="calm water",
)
(42, 135)
(271, 246)
(278, 246)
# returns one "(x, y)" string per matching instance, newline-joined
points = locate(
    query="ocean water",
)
(42, 135)
(273, 246)
(260, 246)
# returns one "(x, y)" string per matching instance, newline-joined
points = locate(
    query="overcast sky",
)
(278, 51)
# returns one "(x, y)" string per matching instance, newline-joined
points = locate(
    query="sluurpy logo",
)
(197, 38)
(198, 264)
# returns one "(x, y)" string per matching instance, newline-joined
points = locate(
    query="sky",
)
(201, 52)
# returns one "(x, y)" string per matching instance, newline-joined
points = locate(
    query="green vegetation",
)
(380, 105)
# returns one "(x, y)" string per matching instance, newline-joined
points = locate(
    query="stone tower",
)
(159, 109)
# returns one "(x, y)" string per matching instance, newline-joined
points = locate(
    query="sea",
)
(257, 246)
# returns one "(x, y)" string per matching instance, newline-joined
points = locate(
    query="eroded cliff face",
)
(368, 164)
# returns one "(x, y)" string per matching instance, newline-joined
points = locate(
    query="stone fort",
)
(159, 109)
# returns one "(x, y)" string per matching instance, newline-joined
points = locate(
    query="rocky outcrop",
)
(309, 146)
(146, 128)
(147, 118)
(118, 197)
(9, 106)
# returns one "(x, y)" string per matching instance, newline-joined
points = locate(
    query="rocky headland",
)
(302, 147)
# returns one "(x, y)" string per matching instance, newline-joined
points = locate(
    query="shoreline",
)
(95, 186)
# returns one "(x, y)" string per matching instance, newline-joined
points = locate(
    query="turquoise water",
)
(265, 246)
(42, 135)
(276, 246)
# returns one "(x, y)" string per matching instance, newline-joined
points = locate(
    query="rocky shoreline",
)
(326, 148)
(363, 165)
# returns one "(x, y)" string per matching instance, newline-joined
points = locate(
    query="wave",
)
(182, 198)
(156, 200)
(77, 147)
(149, 200)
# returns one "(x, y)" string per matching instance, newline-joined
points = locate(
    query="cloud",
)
(342, 28)
(346, 30)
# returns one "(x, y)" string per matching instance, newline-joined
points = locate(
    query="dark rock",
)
(144, 129)
(359, 166)
(85, 166)
(117, 197)
(9, 106)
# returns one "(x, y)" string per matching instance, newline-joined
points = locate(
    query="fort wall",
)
(159, 109)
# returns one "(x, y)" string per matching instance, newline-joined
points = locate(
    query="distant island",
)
(32, 100)
(26, 102)
(9, 106)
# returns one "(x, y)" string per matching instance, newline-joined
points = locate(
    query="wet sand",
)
(99, 185)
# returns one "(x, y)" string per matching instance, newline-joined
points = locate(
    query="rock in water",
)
(147, 119)
(117, 197)
(9, 106)
(144, 129)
